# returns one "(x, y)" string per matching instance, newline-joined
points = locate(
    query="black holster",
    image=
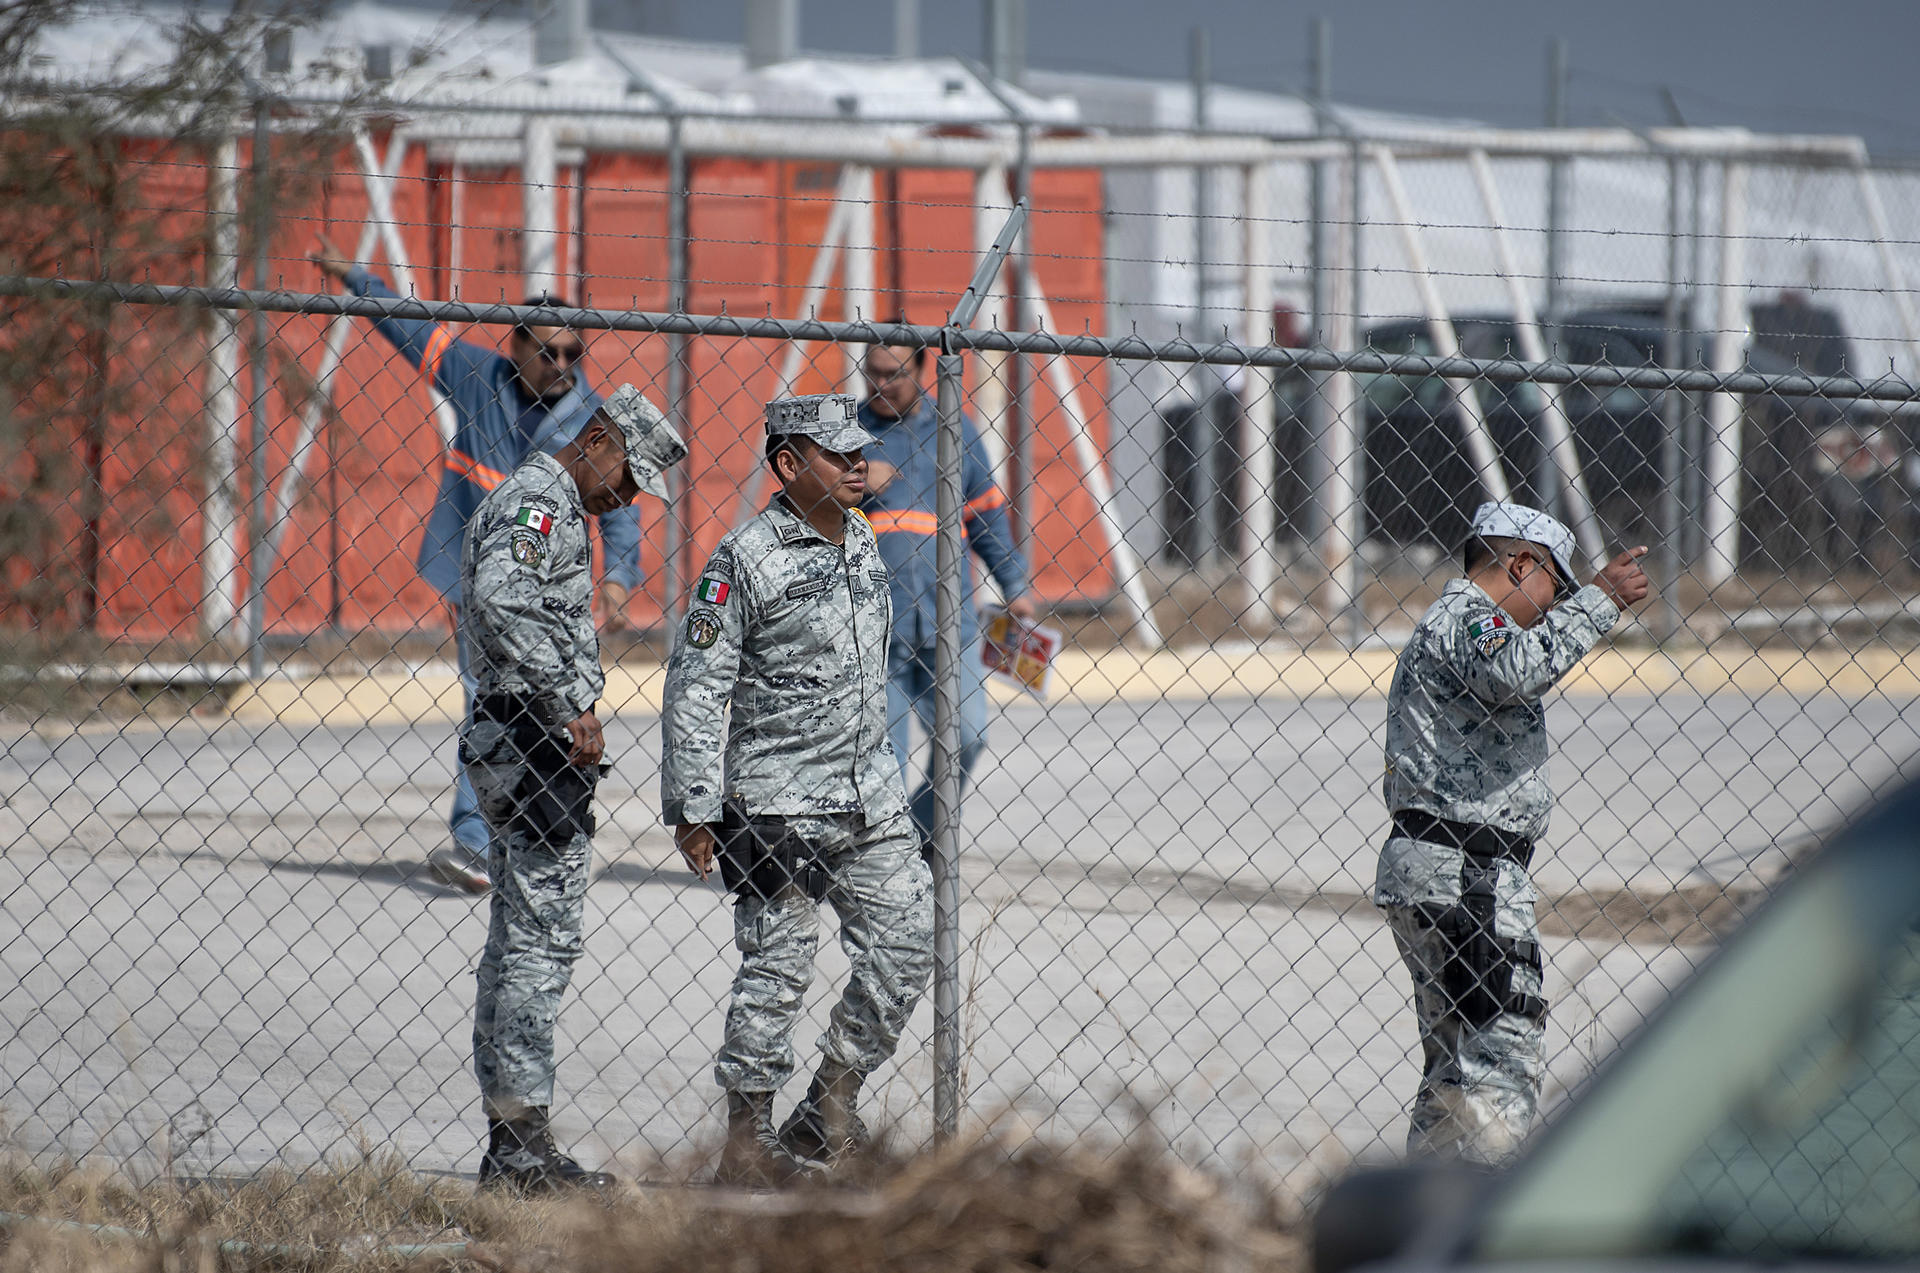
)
(1478, 973)
(760, 856)
(553, 802)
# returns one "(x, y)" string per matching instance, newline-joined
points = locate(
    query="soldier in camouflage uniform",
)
(1466, 782)
(532, 747)
(788, 627)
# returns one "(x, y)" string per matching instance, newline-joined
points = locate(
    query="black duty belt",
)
(1471, 838)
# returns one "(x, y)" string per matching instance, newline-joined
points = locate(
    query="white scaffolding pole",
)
(305, 439)
(1093, 475)
(1343, 438)
(1553, 415)
(1446, 341)
(818, 277)
(1259, 394)
(1721, 516)
(380, 214)
(856, 274)
(456, 221)
(220, 526)
(992, 203)
(539, 199)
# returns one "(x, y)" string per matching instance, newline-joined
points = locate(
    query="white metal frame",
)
(531, 127)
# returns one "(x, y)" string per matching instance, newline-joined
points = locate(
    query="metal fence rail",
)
(1156, 886)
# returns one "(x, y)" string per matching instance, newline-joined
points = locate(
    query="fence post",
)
(1320, 175)
(1673, 406)
(1261, 396)
(676, 568)
(945, 765)
(1550, 303)
(946, 754)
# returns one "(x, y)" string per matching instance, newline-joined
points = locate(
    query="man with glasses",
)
(1466, 783)
(506, 406)
(900, 504)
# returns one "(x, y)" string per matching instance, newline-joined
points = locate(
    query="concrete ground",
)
(225, 951)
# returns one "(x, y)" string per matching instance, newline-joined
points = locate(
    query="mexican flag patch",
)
(712, 591)
(1489, 634)
(542, 522)
(1481, 627)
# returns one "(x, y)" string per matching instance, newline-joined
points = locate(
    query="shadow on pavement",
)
(411, 875)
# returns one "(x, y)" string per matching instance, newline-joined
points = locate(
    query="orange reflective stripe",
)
(474, 471)
(436, 349)
(991, 500)
(910, 521)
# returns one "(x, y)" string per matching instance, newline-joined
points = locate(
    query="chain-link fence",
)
(232, 696)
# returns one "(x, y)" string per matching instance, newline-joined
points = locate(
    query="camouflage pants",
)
(1478, 1004)
(882, 893)
(540, 812)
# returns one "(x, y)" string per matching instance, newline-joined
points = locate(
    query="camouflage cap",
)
(653, 445)
(830, 419)
(1517, 521)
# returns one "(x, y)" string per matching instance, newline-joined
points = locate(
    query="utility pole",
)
(1201, 67)
(1556, 175)
(1212, 468)
(1006, 40)
(1546, 479)
(906, 29)
(1319, 177)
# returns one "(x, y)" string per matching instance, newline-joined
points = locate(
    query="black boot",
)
(824, 1126)
(754, 1157)
(521, 1155)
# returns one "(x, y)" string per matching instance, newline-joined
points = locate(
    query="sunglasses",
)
(561, 355)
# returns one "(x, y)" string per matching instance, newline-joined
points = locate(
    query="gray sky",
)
(1824, 66)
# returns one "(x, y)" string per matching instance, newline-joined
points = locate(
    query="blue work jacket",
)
(903, 517)
(496, 427)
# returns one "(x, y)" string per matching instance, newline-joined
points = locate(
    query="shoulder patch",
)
(1494, 640)
(712, 591)
(703, 629)
(1483, 626)
(527, 548)
(534, 519)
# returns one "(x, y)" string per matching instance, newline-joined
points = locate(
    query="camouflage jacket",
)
(1466, 730)
(790, 630)
(527, 581)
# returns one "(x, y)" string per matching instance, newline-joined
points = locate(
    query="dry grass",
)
(996, 1206)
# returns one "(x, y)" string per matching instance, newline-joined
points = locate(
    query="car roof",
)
(1872, 864)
